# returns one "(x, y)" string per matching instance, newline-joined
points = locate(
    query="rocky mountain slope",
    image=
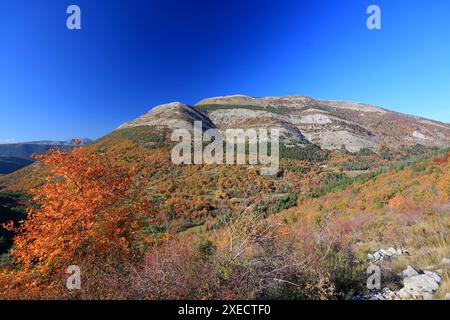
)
(303, 120)
(308, 125)
(175, 115)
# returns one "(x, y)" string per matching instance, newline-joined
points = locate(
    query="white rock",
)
(386, 255)
(392, 251)
(427, 296)
(377, 256)
(421, 283)
(445, 261)
(315, 119)
(418, 285)
(435, 276)
(419, 135)
(409, 272)
(447, 296)
(404, 294)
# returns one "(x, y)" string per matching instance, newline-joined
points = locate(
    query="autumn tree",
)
(87, 214)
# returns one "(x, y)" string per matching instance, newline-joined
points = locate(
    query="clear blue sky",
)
(133, 55)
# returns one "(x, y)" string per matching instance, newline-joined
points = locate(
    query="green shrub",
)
(379, 202)
(357, 165)
(12, 208)
(292, 167)
(206, 247)
(276, 206)
(365, 152)
(6, 261)
(311, 153)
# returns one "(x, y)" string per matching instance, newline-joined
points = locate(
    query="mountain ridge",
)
(14, 156)
(330, 124)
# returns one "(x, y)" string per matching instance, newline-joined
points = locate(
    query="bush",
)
(292, 167)
(268, 207)
(310, 152)
(339, 181)
(365, 152)
(11, 209)
(206, 247)
(357, 165)
(6, 261)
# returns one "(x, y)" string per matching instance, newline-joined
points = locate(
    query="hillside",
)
(310, 128)
(405, 207)
(11, 164)
(228, 232)
(329, 124)
(313, 227)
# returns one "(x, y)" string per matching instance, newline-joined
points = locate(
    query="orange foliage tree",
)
(88, 213)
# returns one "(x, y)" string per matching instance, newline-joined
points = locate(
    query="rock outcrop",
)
(386, 255)
(174, 115)
(304, 120)
(418, 284)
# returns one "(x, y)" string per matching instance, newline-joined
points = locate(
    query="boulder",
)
(384, 294)
(377, 256)
(409, 272)
(417, 284)
(422, 283)
(392, 251)
(435, 276)
(386, 255)
(427, 296)
(404, 294)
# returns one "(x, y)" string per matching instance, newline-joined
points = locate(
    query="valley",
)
(14, 156)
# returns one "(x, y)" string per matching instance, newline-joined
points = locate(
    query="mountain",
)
(69, 143)
(329, 124)
(332, 125)
(175, 115)
(312, 130)
(326, 206)
(14, 156)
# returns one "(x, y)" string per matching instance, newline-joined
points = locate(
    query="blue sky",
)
(133, 55)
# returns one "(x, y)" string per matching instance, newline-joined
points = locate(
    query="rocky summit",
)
(332, 125)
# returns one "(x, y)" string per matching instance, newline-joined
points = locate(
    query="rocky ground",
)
(417, 284)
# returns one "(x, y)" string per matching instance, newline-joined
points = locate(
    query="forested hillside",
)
(211, 231)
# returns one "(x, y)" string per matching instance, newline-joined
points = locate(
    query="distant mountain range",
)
(14, 156)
